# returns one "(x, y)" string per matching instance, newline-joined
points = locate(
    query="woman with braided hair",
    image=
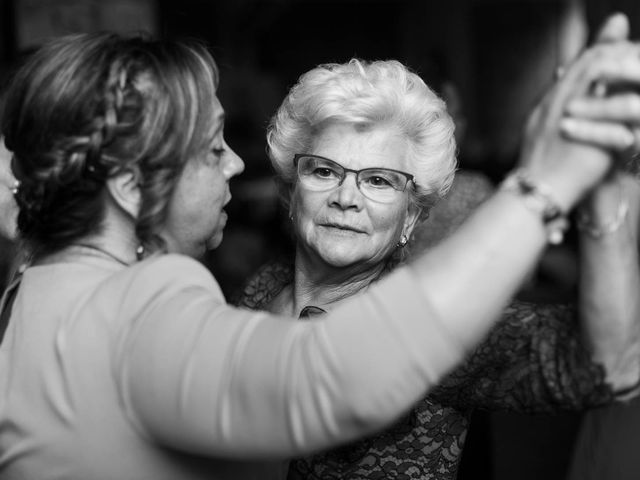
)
(121, 358)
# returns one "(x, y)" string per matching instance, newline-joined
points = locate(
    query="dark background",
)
(501, 55)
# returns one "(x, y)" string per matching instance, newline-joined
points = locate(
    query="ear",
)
(288, 192)
(124, 190)
(410, 221)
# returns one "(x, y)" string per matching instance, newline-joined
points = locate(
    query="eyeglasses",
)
(377, 184)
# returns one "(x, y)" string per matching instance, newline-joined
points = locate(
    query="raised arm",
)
(491, 253)
(548, 357)
(610, 280)
(607, 220)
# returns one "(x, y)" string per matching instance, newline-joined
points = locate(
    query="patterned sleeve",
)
(264, 285)
(532, 362)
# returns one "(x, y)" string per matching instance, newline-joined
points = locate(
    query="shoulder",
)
(160, 279)
(170, 270)
(172, 267)
(265, 285)
(468, 191)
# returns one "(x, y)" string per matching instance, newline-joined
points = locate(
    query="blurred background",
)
(490, 59)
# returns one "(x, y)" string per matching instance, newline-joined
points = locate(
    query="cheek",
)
(388, 221)
(207, 201)
(306, 206)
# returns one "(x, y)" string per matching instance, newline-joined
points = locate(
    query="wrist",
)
(539, 198)
(605, 210)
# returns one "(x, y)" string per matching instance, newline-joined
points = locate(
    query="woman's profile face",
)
(196, 216)
(8, 206)
(341, 226)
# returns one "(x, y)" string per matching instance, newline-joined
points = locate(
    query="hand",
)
(8, 206)
(607, 122)
(610, 120)
(569, 168)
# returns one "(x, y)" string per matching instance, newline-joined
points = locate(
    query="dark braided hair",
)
(86, 107)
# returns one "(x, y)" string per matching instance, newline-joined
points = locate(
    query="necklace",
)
(100, 252)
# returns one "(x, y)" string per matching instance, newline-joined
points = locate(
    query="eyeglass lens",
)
(379, 184)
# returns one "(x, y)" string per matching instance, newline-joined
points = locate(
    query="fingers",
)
(618, 67)
(624, 107)
(601, 69)
(615, 28)
(606, 135)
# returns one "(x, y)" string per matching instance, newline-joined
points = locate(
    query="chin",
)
(214, 242)
(342, 261)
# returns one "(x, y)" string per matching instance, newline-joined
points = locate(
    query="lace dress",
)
(531, 362)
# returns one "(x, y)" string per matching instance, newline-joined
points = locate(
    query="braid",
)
(87, 107)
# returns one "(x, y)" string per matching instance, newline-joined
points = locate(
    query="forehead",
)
(217, 117)
(357, 148)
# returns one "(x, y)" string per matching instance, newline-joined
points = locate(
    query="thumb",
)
(614, 29)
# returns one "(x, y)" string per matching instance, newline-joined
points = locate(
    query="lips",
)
(341, 226)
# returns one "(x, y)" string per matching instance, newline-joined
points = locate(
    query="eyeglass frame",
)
(408, 176)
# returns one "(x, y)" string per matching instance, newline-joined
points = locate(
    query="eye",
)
(378, 181)
(324, 172)
(218, 145)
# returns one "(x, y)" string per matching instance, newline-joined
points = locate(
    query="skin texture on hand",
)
(571, 168)
(610, 115)
(8, 207)
(598, 122)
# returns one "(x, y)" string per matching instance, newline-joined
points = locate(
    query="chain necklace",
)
(100, 252)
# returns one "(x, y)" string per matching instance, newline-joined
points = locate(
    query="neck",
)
(117, 252)
(317, 283)
(115, 242)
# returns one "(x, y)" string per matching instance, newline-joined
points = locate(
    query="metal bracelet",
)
(539, 199)
(585, 223)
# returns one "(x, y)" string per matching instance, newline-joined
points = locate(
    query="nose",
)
(234, 164)
(347, 194)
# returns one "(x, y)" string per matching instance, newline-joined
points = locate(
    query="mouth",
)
(346, 228)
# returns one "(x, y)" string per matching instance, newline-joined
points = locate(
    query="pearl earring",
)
(15, 187)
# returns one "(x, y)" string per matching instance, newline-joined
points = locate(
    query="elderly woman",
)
(364, 150)
(121, 358)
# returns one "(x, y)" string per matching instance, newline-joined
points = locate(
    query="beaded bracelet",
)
(539, 199)
(585, 223)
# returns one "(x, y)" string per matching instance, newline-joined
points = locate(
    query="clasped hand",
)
(589, 121)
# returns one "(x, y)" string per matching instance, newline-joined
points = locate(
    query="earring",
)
(403, 241)
(140, 252)
(15, 187)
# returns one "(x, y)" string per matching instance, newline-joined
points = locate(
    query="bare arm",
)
(610, 280)
(608, 219)
(502, 254)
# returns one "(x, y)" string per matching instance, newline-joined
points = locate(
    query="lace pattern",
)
(531, 362)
